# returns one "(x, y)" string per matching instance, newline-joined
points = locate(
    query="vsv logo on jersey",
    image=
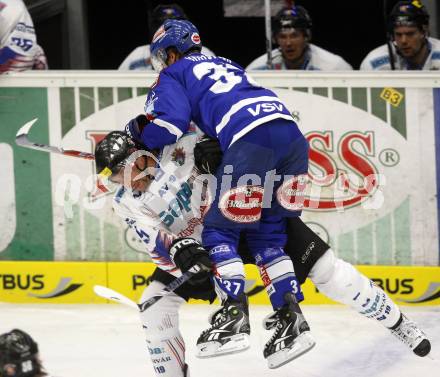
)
(265, 107)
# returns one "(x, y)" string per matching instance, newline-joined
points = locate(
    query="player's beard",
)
(413, 54)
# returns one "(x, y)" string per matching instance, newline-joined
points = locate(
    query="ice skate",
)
(409, 333)
(229, 332)
(291, 337)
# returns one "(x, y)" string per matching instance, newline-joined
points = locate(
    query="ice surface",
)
(107, 341)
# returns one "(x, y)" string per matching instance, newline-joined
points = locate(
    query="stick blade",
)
(112, 295)
(22, 139)
(22, 133)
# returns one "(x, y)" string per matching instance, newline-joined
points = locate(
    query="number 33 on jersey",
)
(215, 93)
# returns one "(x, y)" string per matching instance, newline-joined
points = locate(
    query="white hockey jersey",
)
(172, 207)
(379, 60)
(139, 59)
(19, 50)
(317, 59)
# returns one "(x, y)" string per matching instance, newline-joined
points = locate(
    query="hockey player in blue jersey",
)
(259, 183)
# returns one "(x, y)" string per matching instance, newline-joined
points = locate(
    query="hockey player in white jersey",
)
(168, 202)
(139, 59)
(19, 50)
(410, 47)
(291, 31)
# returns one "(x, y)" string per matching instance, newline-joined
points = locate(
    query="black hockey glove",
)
(135, 126)
(207, 155)
(187, 252)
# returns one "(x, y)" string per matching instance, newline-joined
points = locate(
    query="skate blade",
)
(236, 343)
(303, 343)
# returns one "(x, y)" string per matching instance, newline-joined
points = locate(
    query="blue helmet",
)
(181, 34)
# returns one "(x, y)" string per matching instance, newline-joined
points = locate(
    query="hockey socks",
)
(343, 283)
(228, 272)
(278, 276)
(166, 346)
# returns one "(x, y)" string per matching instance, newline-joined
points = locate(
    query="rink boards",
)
(358, 125)
(72, 282)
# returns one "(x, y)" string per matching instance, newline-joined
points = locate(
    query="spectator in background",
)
(291, 30)
(409, 47)
(19, 50)
(19, 355)
(139, 58)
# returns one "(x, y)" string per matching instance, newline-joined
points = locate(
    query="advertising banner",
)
(373, 190)
(26, 224)
(72, 282)
(51, 282)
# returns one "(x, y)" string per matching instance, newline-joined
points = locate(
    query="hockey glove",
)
(135, 126)
(187, 252)
(207, 155)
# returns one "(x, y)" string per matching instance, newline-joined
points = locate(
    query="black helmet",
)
(295, 17)
(164, 12)
(112, 151)
(408, 13)
(18, 353)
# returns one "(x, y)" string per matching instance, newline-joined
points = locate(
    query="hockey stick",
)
(112, 295)
(21, 139)
(268, 29)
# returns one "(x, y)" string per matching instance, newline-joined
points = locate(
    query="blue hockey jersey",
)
(215, 93)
